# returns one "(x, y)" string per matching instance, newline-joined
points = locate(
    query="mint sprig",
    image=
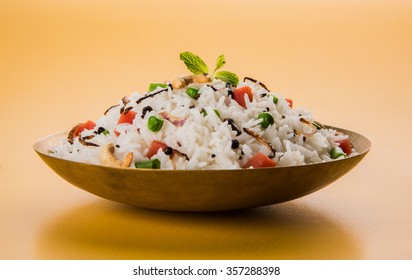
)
(220, 61)
(194, 63)
(227, 77)
(197, 66)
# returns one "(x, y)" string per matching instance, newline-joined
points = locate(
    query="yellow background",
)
(63, 62)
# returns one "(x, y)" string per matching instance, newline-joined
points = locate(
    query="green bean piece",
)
(154, 123)
(154, 86)
(318, 125)
(149, 164)
(204, 113)
(337, 152)
(192, 92)
(267, 119)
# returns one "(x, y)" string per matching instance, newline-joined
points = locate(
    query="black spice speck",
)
(235, 144)
(229, 90)
(213, 155)
(100, 130)
(168, 151)
(146, 110)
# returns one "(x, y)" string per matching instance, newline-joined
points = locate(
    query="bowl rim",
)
(37, 148)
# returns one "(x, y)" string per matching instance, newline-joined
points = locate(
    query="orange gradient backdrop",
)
(63, 62)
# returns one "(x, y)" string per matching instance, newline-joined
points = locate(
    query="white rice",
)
(207, 140)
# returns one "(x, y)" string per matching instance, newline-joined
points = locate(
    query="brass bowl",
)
(201, 190)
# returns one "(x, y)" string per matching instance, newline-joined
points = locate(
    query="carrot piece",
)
(346, 146)
(87, 125)
(260, 161)
(127, 118)
(154, 147)
(239, 95)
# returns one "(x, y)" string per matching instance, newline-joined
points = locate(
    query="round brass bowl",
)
(201, 190)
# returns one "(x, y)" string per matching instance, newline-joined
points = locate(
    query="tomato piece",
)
(239, 95)
(346, 146)
(154, 147)
(127, 118)
(87, 125)
(260, 160)
(290, 102)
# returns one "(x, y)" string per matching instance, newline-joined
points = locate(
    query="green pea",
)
(154, 86)
(267, 119)
(150, 164)
(204, 113)
(337, 152)
(275, 100)
(192, 92)
(154, 123)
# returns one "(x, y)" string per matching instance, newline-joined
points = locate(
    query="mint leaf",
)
(219, 63)
(194, 63)
(227, 77)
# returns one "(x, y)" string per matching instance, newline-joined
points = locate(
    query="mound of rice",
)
(200, 130)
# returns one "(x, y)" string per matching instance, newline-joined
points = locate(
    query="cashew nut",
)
(201, 79)
(184, 81)
(107, 157)
(178, 83)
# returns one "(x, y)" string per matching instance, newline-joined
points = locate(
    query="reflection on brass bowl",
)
(201, 190)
